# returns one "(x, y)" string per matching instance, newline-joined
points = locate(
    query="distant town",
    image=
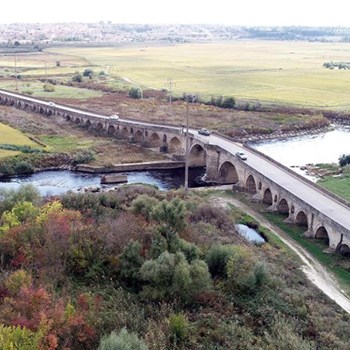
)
(37, 36)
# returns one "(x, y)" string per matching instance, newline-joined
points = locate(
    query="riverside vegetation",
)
(143, 269)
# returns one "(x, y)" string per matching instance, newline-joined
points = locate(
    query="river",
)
(50, 183)
(298, 151)
(293, 152)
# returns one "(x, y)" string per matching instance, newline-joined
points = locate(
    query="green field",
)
(276, 72)
(338, 185)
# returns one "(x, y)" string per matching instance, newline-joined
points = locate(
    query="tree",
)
(77, 78)
(88, 72)
(135, 93)
(344, 160)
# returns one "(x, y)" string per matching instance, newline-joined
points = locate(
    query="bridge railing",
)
(290, 171)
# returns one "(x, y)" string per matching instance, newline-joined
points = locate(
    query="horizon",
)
(251, 13)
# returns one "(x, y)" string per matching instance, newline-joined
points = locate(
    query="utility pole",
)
(170, 83)
(187, 144)
(16, 71)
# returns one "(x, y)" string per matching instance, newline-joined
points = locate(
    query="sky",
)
(227, 12)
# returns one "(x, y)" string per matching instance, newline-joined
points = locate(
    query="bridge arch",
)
(77, 121)
(267, 197)
(138, 136)
(321, 233)
(175, 145)
(111, 130)
(68, 117)
(283, 206)
(197, 156)
(99, 126)
(344, 250)
(88, 123)
(124, 133)
(154, 140)
(228, 173)
(250, 184)
(301, 219)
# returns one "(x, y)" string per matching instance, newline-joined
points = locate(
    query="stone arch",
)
(321, 233)
(301, 219)
(88, 123)
(250, 184)
(344, 250)
(131, 131)
(197, 156)
(124, 133)
(68, 118)
(77, 120)
(267, 198)
(138, 137)
(19, 104)
(228, 173)
(99, 126)
(154, 140)
(41, 110)
(111, 130)
(175, 145)
(283, 206)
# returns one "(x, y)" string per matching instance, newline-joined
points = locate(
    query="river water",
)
(51, 183)
(294, 152)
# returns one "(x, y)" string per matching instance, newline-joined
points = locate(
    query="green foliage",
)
(84, 156)
(18, 338)
(21, 148)
(131, 261)
(223, 102)
(344, 160)
(244, 273)
(171, 215)
(26, 193)
(179, 328)
(23, 167)
(135, 93)
(122, 341)
(88, 72)
(21, 212)
(144, 205)
(17, 280)
(171, 276)
(49, 88)
(77, 78)
(217, 258)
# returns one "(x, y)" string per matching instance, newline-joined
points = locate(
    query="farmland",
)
(274, 72)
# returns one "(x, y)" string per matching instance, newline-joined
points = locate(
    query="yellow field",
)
(12, 136)
(277, 72)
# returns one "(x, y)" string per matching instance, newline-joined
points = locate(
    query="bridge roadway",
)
(325, 204)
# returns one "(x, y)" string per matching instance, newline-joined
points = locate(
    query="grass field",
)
(276, 72)
(338, 185)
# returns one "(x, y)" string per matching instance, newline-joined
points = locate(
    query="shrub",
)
(122, 341)
(144, 205)
(19, 338)
(23, 167)
(88, 72)
(178, 327)
(217, 258)
(212, 215)
(77, 78)
(84, 157)
(135, 93)
(49, 88)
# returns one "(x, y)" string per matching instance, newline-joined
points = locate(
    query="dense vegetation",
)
(143, 269)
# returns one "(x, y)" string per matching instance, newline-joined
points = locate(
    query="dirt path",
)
(314, 271)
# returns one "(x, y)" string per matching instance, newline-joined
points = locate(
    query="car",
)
(52, 104)
(241, 155)
(114, 117)
(204, 132)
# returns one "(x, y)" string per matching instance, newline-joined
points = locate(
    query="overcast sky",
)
(230, 12)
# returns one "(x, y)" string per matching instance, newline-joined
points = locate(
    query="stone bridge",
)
(289, 194)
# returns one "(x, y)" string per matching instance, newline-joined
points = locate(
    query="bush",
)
(49, 88)
(19, 338)
(217, 258)
(23, 167)
(77, 78)
(178, 327)
(344, 160)
(83, 157)
(144, 205)
(88, 72)
(122, 341)
(135, 93)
